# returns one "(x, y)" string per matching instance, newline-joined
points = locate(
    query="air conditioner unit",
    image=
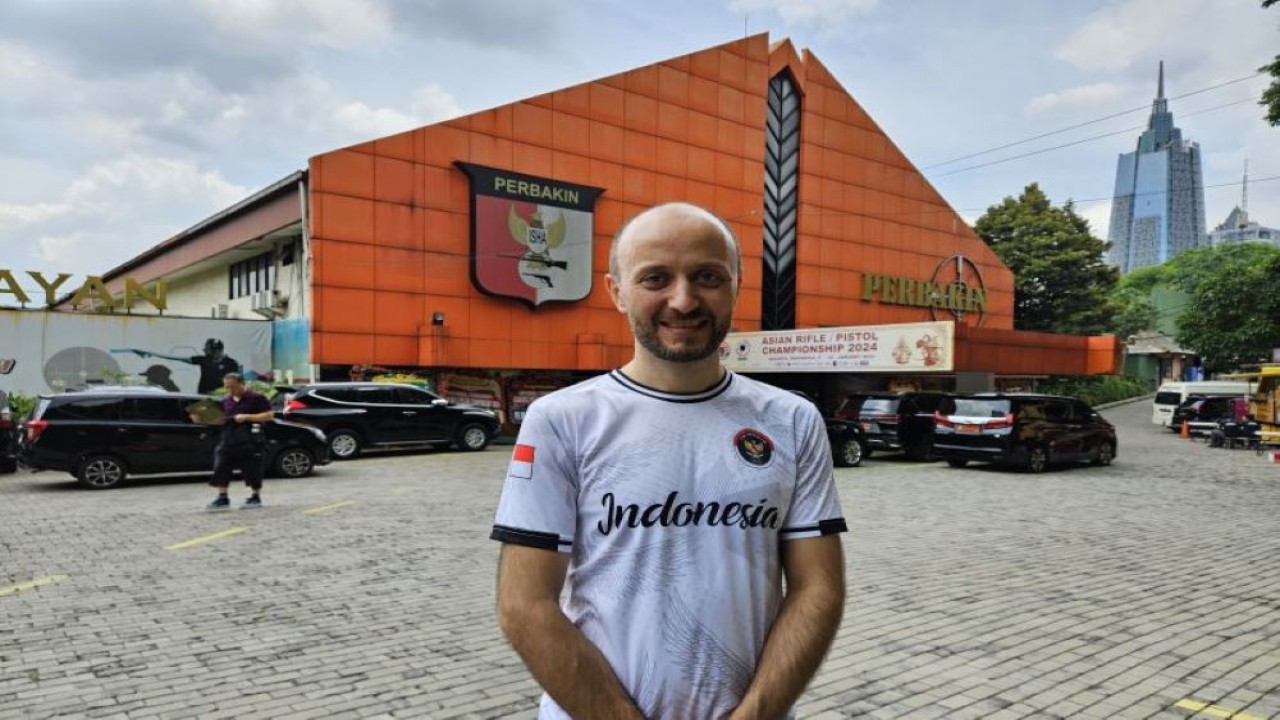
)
(264, 303)
(218, 311)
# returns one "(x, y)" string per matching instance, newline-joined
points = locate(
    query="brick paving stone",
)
(984, 593)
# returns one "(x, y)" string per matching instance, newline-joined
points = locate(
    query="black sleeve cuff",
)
(822, 527)
(528, 538)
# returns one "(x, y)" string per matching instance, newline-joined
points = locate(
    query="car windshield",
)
(1168, 398)
(880, 405)
(977, 407)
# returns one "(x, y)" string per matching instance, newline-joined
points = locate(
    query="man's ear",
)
(615, 293)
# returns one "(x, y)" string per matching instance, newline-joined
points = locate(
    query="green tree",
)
(1061, 282)
(1271, 96)
(1233, 318)
(1132, 308)
(1132, 311)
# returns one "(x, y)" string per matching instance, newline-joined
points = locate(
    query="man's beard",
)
(646, 333)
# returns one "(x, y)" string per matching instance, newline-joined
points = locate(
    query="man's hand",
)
(803, 631)
(565, 663)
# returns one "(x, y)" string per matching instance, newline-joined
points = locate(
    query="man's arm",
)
(180, 358)
(263, 416)
(564, 662)
(803, 631)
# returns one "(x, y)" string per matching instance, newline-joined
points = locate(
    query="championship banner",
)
(531, 237)
(909, 347)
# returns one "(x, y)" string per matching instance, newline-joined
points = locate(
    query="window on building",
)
(290, 252)
(256, 274)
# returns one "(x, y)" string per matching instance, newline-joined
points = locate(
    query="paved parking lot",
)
(1150, 589)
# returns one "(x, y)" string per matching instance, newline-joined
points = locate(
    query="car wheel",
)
(99, 472)
(294, 463)
(1106, 454)
(1037, 459)
(957, 462)
(473, 437)
(344, 444)
(848, 453)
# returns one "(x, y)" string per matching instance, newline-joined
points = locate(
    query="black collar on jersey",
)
(701, 396)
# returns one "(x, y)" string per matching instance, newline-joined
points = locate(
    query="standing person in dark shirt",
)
(214, 364)
(242, 443)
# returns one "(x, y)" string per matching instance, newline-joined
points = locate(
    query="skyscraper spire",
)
(1160, 105)
(1160, 130)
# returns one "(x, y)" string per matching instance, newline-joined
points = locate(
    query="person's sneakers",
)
(251, 503)
(221, 503)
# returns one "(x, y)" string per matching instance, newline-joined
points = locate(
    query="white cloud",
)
(432, 103)
(360, 120)
(115, 210)
(829, 15)
(61, 250)
(429, 104)
(179, 179)
(1099, 216)
(32, 213)
(1208, 36)
(18, 65)
(339, 25)
(1081, 96)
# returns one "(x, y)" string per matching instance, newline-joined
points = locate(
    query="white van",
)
(1171, 394)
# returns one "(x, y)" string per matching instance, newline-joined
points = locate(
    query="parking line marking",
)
(328, 508)
(1214, 710)
(15, 589)
(205, 538)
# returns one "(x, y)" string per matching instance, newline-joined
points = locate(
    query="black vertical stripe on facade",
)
(781, 203)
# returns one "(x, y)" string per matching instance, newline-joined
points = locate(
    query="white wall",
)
(196, 295)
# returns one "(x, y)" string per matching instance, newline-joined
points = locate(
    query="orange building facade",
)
(822, 201)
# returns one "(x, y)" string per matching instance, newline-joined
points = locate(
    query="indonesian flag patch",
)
(521, 462)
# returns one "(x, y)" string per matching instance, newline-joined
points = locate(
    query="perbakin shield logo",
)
(754, 446)
(531, 237)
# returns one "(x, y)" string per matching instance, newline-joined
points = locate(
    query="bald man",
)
(675, 497)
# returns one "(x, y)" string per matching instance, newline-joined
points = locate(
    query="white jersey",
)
(672, 507)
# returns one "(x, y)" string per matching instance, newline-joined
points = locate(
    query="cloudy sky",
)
(125, 121)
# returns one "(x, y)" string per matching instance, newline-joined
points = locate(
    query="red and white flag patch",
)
(521, 462)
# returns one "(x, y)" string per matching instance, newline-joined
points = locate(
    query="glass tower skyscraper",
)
(1158, 208)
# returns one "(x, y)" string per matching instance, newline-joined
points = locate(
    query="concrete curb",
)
(1118, 403)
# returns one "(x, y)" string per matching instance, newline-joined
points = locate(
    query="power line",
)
(949, 209)
(1080, 142)
(1086, 123)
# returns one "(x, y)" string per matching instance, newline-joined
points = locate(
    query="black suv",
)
(848, 446)
(1031, 431)
(8, 436)
(102, 436)
(895, 420)
(356, 415)
(1203, 413)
